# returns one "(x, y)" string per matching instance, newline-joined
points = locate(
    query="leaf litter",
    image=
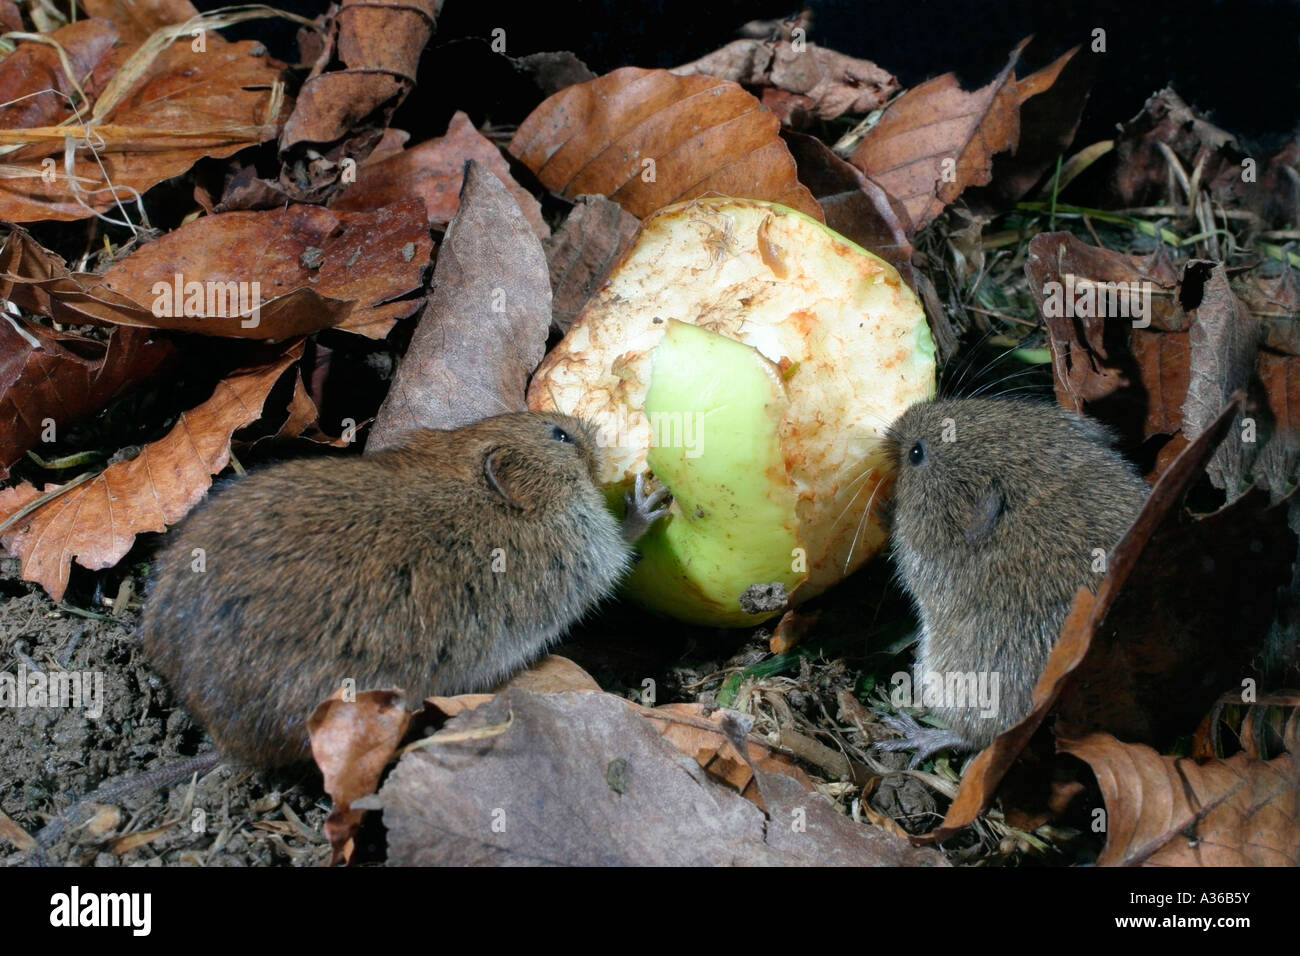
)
(962, 190)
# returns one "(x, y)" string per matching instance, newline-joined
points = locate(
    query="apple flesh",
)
(752, 359)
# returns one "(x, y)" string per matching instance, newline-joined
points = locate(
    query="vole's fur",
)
(994, 529)
(441, 567)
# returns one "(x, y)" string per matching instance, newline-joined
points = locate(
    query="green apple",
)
(751, 359)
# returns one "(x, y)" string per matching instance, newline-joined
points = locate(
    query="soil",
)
(51, 757)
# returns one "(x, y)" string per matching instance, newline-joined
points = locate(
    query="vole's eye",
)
(916, 454)
(559, 434)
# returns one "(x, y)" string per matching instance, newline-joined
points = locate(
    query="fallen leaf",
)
(180, 106)
(1051, 105)
(693, 728)
(1142, 174)
(1255, 728)
(341, 113)
(648, 138)
(1279, 376)
(11, 18)
(832, 83)
(34, 87)
(855, 207)
(1222, 348)
(1271, 193)
(310, 268)
(352, 742)
(936, 140)
(553, 72)
(553, 674)
(617, 792)
(1275, 302)
(64, 378)
(484, 328)
(1164, 368)
(138, 19)
(1174, 811)
(1202, 344)
(701, 735)
(96, 522)
(435, 171)
(793, 110)
(1102, 365)
(791, 630)
(583, 251)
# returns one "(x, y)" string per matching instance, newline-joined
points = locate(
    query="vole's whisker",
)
(970, 363)
(1020, 388)
(983, 369)
(866, 513)
(1036, 370)
(856, 481)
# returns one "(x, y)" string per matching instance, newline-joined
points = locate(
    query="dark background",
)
(1238, 60)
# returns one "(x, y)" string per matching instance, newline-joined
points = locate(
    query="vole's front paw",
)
(926, 741)
(643, 509)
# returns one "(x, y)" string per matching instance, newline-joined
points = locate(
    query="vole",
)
(441, 566)
(1001, 510)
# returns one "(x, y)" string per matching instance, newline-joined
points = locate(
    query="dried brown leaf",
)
(700, 734)
(342, 113)
(34, 87)
(65, 378)
(855, 207)
(583, 251)
(184, 106)
(617, 792)
(553, 674)
(435, 172)
(11, 18)
(936, 140)
(96, 522)
(1051, 104)
(485, 326)
(1222, 348)
(1102, 365)
(1174, 811)
(831, 83)
(352, 742)
(137, 19)
(552, 72)
(647, 138)
(1142, 175)
(313, 269)
(1276, 303)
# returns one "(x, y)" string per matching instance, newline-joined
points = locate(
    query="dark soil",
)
(51, 757)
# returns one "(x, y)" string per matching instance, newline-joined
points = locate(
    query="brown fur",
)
(994, 532)
(379, 569)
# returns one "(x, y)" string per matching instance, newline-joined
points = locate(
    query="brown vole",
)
(441, 566)
(1001, 510)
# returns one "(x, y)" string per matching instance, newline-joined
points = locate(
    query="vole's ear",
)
(507, 475)
(985, 513)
